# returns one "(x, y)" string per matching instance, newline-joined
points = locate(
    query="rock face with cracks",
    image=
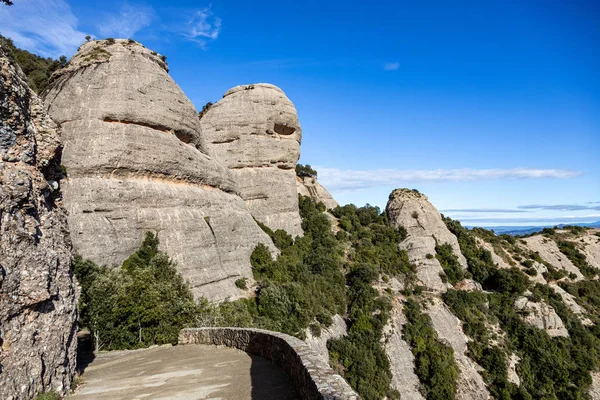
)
(38, 301)
(425, 228)
(137, 162)
(254, 131)
(309, 186)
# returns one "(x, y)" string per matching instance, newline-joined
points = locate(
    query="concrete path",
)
(185, 372)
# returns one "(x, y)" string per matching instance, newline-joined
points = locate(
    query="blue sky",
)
(491, 108)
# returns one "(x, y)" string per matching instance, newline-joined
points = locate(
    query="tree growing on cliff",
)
(304, 171)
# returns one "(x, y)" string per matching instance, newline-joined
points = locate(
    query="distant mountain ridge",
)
(525, 230)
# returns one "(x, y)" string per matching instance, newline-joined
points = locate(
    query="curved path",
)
(183, 373)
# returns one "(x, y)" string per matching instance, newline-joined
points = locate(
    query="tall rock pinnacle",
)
(137, 162)
(254, 131)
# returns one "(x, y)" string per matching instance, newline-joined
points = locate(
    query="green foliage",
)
(481, 265)
(360, 356)
(143, 303)
(304, 171)
(48, 396)
(37, 69)
(305, 283)
(241, 283)
(449, 262)
(434, 360)
(205, 109)
(110, 41)
(471, 308)
(577, 258)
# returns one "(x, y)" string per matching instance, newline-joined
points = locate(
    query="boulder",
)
(254, 131)
(38, 300)
(136, 161)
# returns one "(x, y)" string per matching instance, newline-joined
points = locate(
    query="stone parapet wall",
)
(310, 374)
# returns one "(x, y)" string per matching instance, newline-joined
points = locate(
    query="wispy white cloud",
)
(44, 27)
(129, 20)
(391, 66)
(483, 210)
(203, 26)
(560, 207)
(353, 180)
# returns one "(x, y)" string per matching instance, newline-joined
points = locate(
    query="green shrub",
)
(577, 258)
(305, 171)
(449, 262)
(143, 303)
(48, 396)
(37, 69)
(434, 361)
(241, 283)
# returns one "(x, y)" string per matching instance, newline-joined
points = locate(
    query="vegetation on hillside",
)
(434, 360)
(549, 367)
(143, 303)
(37, 69)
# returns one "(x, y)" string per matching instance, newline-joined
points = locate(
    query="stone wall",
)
(311, 375)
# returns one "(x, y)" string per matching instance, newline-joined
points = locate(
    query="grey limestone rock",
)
(254, 131)
(38, 300)
(137, 162)
(309, 186)
(425, 229)
(541, 315)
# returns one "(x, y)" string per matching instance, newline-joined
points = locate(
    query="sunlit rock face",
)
(137, 162)
(254, 131)
(38, 301)
(425, 228)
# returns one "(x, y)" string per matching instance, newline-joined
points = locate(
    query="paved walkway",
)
(185, 372)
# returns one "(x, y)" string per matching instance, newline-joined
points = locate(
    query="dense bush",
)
(36, 68)
(143, 303)
(434, 361)
(304, 171)
(577, 258)
(449, 262)
(360, 357)
(482, 267)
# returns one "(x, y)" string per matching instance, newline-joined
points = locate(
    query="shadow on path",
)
(269, 381)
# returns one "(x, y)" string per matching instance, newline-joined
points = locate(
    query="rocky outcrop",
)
(425, 228)
(136, 162)
(402, 360)
(548, 250)
(254, 131)
(310, 186)
(590, 243)
(336, 330)
(541, 315)
(448, 327)
(37, 297)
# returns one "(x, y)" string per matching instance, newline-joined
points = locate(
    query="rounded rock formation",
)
(136, 162)
(254, 131)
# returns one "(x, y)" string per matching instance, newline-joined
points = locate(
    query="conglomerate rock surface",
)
(254, 131)
(38, 301)
(137, 162)
(425, 228)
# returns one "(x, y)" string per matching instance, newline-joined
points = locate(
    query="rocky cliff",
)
(254, 131)
(552, 278)
(37, 296)
(136, 161)
(425, 229)
(310, 186)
